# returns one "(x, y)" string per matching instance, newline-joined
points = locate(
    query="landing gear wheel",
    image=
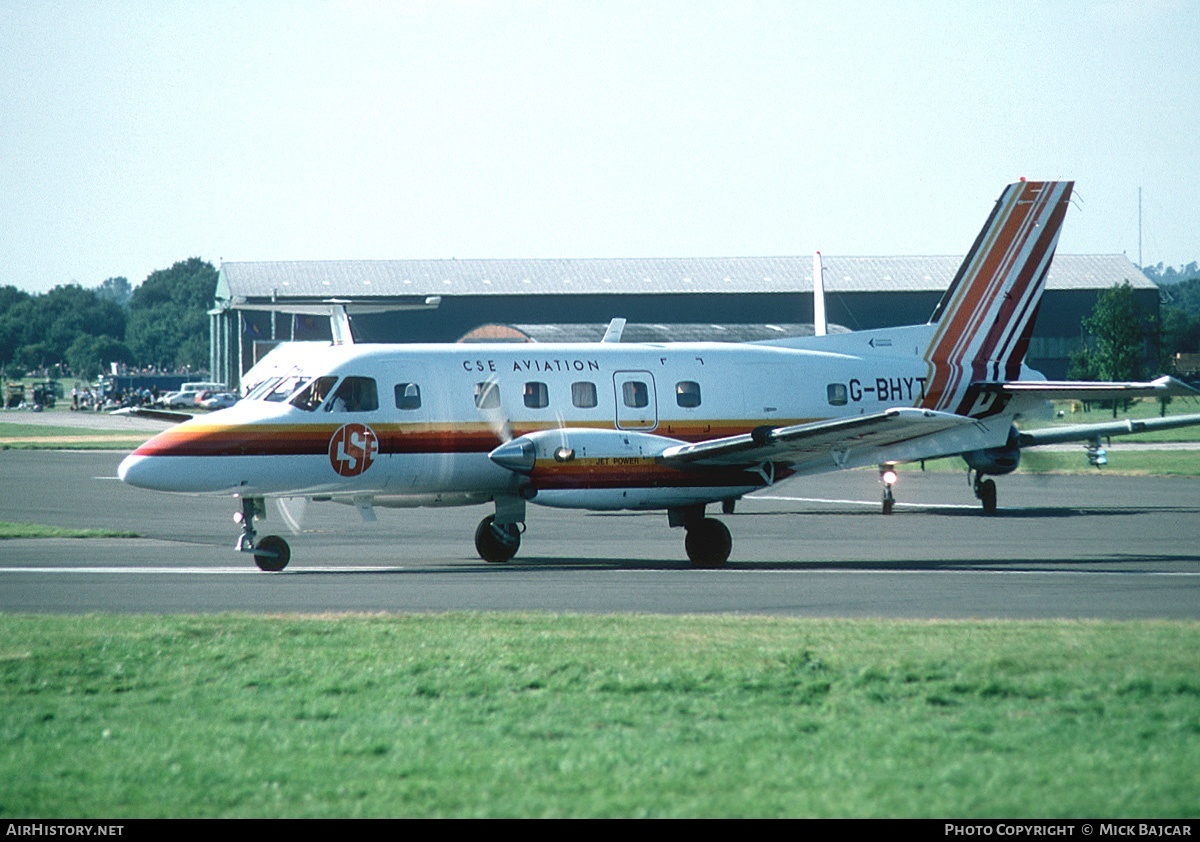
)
(888, 503)
(272, 554)
(986, 492)
(494, 543)
(708, 543)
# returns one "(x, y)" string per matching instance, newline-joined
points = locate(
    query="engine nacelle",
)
(551, 448)
(996, 460)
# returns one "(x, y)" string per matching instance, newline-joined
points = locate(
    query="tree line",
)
(163, 324)
(75, 332)
(1117, 328)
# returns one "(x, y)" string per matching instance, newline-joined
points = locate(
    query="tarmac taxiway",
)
(1094, 546)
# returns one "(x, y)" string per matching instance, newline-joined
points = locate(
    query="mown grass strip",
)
(39, 530)
(50, 437)
(541, 715)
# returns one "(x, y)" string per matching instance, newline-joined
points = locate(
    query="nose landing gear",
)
(271, 553)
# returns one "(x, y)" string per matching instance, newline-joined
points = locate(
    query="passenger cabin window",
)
(408, 396)
(635, 394)
(311, 396)
(537, 396)
(355, 394)
(687, 394)
(836, 392)
(487, 395)
(583, 394)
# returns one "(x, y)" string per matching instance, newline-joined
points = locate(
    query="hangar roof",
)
(242, 282)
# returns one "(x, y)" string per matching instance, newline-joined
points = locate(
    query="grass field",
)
(18, 436)
(540, 715)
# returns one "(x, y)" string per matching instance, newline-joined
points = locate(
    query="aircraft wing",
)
(827, 442)
(157, 414)
(1091, 391)
(1085, 432)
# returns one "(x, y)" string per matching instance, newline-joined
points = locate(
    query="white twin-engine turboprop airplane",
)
(679, 426)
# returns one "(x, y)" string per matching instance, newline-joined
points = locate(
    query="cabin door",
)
(637, 401)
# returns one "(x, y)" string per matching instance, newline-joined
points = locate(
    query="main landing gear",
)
(985, 490)
(495, 542)
(498, 536)
(708, 542)
(887, 475)
(271, 553)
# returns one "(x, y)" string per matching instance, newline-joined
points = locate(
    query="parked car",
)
(219, 400)
(178, 400)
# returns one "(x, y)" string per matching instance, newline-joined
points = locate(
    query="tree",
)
(1170, 275)
(168, 315)
(117, 290)
(89, 356)
(36, 331)
(1117, 329)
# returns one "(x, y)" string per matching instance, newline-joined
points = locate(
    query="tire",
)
(275, 554)
(496, 544)
(708, 544)
(987, 496)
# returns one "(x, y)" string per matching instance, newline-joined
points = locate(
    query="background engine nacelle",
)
(996, 460)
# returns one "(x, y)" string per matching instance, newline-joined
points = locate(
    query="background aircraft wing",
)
(827, 442)
(149, 412)
(1084, 432)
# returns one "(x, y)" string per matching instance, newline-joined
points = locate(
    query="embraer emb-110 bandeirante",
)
(674, 427)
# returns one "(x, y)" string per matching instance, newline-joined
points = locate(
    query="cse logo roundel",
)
(352, 449)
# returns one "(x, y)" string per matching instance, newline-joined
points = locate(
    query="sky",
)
(137, 133)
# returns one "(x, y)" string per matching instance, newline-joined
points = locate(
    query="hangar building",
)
(259, 304)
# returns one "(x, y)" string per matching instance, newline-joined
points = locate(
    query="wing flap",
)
(819, 440)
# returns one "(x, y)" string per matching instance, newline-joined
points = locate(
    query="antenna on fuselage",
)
(615, 328)
(820, 326)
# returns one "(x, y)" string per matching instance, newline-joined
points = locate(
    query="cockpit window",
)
(355, 394)
(262, 387)
(313, 394)
(280, 389)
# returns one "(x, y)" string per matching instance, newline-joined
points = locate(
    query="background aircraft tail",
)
(983, 323)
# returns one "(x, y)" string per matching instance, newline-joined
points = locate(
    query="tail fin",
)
(984, 321)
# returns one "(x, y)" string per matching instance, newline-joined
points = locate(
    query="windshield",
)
(281, 389)
(314, 393)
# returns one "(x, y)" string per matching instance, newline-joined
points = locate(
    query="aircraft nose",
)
(136, 470)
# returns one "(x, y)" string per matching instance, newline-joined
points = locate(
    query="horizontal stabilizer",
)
(1083, 390)
(1086, 432)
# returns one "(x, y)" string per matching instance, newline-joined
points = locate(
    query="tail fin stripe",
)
(1008, 249)
(985, 318)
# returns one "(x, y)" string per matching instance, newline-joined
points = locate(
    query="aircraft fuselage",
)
(426, 419)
